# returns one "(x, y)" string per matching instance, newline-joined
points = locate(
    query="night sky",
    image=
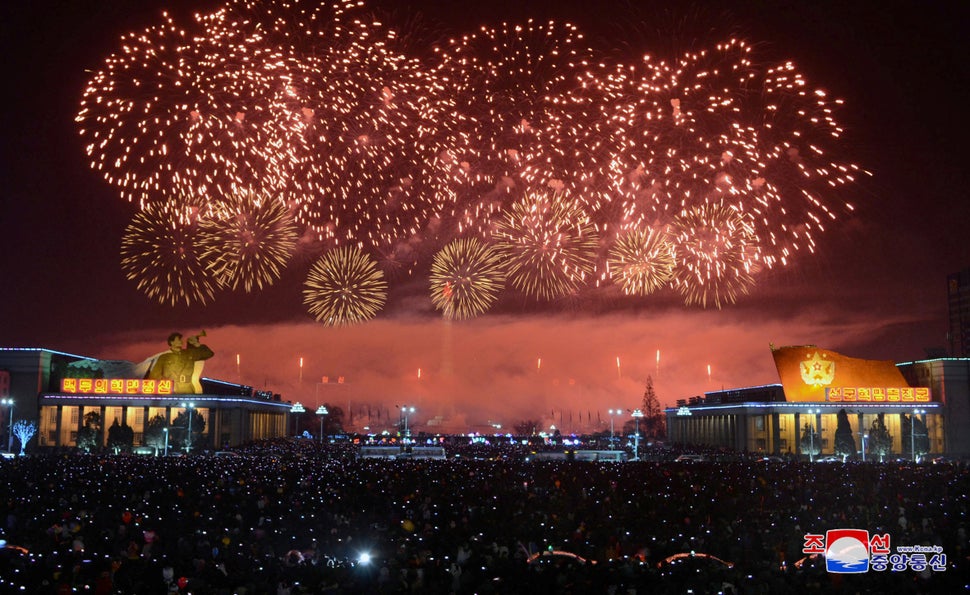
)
(875, 288)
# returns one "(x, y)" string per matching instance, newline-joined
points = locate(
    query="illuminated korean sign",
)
(116, 386)
(878, 394)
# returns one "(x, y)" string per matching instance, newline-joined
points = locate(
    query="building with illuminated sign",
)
(815, 386)
(45, 387)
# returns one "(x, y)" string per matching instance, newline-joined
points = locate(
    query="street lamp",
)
(406, 411)
(912, 432)
(189, 407)
(864, 437)
(296, 409)
(9, 403)
(811, 434)
(613, 412)
(637, 414)
(321, 411)
(166, 441)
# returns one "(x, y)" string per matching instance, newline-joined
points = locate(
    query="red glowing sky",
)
(875, 288)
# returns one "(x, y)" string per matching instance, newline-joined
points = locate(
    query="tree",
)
(653, 423)
(333, 421)
(630, 429)
(181, 424)
(155, 432)
(844, 440)
(120, 437)
(811, 441)
(880, 440)
(87, 436)
(24, 430)
(921, 441)
(527, 427)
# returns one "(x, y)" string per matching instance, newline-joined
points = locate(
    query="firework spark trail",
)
(466, 278)
(162, 254)
(344, 287)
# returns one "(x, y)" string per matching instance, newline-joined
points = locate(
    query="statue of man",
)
(182, 365)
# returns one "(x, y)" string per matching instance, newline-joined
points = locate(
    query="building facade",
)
(958, 302)
(63, 393)
(817, 387)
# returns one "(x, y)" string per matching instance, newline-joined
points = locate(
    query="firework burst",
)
(190, 113)
(715, 126)
(714, 248)
(344, 287)
(466, 278)
(549, 245)
(524, 122)
(250, 245)
(326, 109)
(162, 254)
(641, 261)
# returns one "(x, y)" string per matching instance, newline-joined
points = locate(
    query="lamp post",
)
(864, 437)
(406, 411)
(811, 434)
(613, 412)
(321, 411)
(189, 407)
(296, 409)
(912, 432)
(165, 430)
(9, 403)
(637, 414)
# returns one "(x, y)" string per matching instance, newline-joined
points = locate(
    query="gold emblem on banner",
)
(817, 371)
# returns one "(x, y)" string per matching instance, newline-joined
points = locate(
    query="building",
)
(60, 391)
(958, 300)
(949, 381)
(815, 386)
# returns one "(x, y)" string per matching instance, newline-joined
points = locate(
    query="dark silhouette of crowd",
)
(294, 516)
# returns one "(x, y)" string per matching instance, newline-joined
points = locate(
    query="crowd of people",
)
(293, 516)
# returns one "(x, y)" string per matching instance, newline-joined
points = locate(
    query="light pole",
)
(864, 437)
(912, 432)
(166, 441)
(406, 412)
(613, 412)
(637, 414)
(189, 407)
(9, 403)
(811, 434)
(296, 409)
(321, 411)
